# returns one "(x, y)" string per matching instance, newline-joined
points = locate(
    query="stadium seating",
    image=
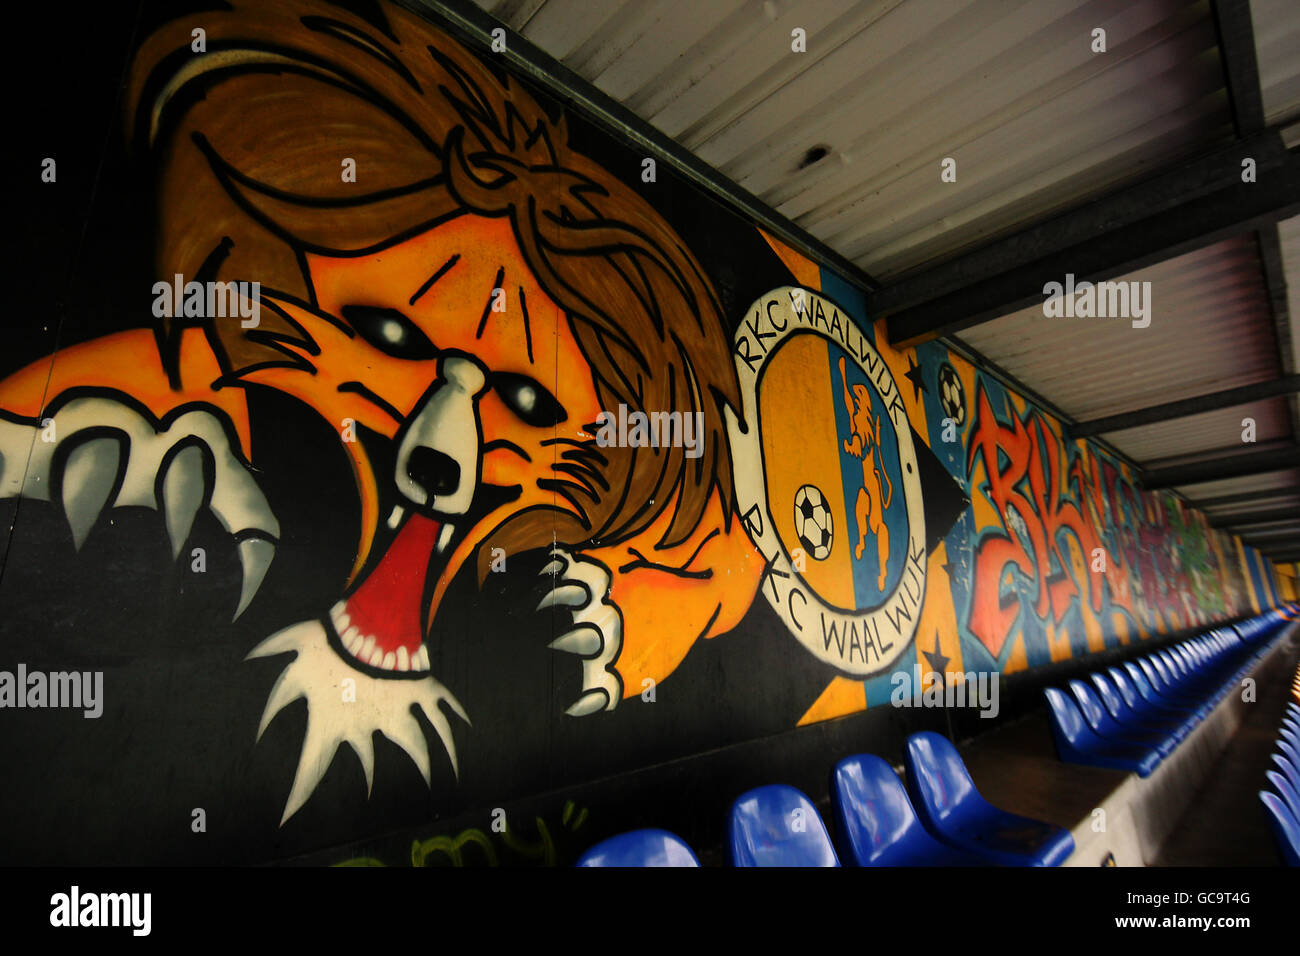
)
(1104, 725)
(1283, 807)
(952, 810)
(777, 825)
(1134, 716)
(1129, 717)
(1077, 743)
(877, 823)
(1288, 770)
(1122, 706)
(1286, 827)
(641, 848)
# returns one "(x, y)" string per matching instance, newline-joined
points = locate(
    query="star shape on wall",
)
(937, 660)
(914, 376)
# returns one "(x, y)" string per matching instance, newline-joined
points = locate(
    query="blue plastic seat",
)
(1077, 743)
(1157, 687)
(1286, 828)
(1292, 754)
(952, 810)
(876, 820)
(1126, 706)
(640, 848)
(1104, 725)
(1119, 708)
(778, 825)
(1290, 796)
(1132, 684)
(1289, 770)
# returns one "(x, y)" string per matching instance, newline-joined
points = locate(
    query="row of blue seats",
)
(1284, 806)
(939, 817)
(1133, 716)
(943, 822)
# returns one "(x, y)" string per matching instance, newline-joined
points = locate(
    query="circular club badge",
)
(827, 481)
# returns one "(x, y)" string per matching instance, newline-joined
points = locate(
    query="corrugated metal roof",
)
(1207, 432)
(1277, 38)
(1037, 123)
(1288, 231)
(1210, 330)
(1236, 486)
(1261, 501)
(1012, 91)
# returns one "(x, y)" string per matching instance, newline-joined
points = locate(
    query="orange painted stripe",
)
(842, 696)
(801, 446)
(806, 272)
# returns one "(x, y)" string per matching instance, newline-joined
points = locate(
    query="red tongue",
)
(387, 604)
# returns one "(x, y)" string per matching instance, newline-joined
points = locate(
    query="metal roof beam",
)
(1270, 258)
(1205, 504)
(1186, 207)
(1281, 544)
(1236, 36)
(1282, 532)
(1285, 516)
(1218, 469)
(1168, 411)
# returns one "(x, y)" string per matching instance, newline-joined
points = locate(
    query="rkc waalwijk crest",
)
(840, 524)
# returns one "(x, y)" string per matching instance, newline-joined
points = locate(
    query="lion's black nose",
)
(435, 472)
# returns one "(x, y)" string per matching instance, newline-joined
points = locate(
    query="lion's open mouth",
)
(381, 623)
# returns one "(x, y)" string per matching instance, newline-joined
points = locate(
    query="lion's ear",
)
(284, 335)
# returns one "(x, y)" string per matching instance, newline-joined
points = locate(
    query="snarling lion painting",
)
(347, 454)
(459, 295)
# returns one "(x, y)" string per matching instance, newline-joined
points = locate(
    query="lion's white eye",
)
(390, 332)
(526, 398)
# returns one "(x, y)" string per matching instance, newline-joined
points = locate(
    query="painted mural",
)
(499, 441)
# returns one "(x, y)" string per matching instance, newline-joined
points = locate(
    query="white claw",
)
(88, 479)
(584, 642)
(182, 495)
(588, 703)
(570, 595)
(314, 673)
(444, 537)
(255, 556)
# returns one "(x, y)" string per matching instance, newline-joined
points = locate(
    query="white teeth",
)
(376, 657)
(396, 516)
(420, 660)
(366, 648)
(338, 609)
(403, 659)
(342, 623)
(389, 662)
(352, 640)
(444, 538)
